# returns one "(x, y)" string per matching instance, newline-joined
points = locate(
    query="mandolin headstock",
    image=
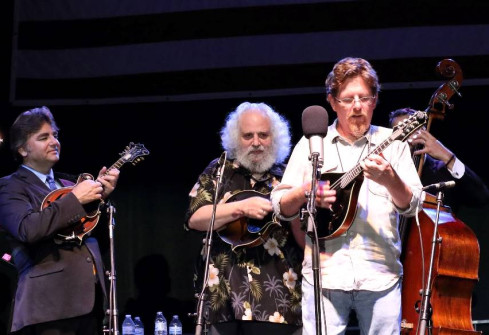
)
(134, 153)
(408, 126)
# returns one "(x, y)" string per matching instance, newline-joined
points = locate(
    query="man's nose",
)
(54, 141)
(357, 102)
(256, 140)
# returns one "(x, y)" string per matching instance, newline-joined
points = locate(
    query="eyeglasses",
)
(350, 101)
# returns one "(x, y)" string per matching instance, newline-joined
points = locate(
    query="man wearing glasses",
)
(360, 269)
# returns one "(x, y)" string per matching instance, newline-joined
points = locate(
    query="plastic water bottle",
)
(160, 324)
(128, 326)
(175, 327)
(139, 329)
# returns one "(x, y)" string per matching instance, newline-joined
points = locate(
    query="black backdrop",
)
(151, 198)
(154, 255)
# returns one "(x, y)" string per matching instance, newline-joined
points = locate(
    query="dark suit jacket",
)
(469, 190)
(55, 281)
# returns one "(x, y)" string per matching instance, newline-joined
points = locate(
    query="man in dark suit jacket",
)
(60, 282)
(442, 165)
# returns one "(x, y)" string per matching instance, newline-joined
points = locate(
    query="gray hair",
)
(280, 130)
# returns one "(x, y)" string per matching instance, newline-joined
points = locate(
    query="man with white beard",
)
(253, 284)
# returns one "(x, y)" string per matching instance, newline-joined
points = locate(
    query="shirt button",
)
(89, 260)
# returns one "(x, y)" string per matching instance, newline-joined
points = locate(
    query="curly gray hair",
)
(280, 130)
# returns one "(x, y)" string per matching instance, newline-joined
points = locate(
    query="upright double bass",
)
(456, 256)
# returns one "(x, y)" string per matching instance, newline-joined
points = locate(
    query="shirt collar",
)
(40, 175)
(369, 135)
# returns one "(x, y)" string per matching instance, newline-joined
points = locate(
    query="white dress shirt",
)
(366, 257)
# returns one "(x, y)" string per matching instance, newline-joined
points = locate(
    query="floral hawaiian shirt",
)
(248, 281)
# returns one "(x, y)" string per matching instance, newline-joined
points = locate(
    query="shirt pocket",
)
(377, 189)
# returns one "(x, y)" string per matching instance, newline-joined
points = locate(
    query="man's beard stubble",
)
(359, 128)
(262, 165)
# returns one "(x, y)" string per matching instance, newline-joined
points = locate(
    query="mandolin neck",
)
(357, 169)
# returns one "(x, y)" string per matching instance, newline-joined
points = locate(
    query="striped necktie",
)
(51, 184)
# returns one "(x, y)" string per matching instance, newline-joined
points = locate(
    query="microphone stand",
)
(112, 311)
(310, 215)
(208, 243)
(425, 314)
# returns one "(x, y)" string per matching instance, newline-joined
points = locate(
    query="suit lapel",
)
(31, 178)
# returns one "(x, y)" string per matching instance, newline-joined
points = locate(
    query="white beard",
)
(262, 165)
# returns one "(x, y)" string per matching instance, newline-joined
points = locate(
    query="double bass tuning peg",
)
(454, 85)
(442, 97)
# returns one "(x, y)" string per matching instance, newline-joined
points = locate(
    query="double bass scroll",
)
(440, 100)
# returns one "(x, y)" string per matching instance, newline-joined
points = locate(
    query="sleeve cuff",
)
(413, 204)
(276, 196)
(287, 218)
(458, 170)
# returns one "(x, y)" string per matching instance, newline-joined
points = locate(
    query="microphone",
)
(439, 186)
(315, 128)
(221, 164)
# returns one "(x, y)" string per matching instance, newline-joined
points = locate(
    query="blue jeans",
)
(378, 313)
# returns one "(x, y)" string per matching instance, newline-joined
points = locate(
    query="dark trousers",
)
(253, 328)
(89, 324)
(80, 325)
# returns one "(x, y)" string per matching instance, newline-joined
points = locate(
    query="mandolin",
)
(133, 153)
(247, 232)
(333, 223)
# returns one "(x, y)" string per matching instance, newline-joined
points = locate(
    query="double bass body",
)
(454, 273)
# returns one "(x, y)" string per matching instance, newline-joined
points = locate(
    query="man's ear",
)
(22, 152)
(331, 101)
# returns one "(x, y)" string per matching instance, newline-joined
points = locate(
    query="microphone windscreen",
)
(314, 121)
(449, 184)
